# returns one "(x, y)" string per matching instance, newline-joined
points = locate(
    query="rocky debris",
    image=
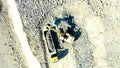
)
(33, 14)
(83, 11)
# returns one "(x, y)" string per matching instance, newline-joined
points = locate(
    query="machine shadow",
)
(72, 30)
(55, 39)
(62, 53)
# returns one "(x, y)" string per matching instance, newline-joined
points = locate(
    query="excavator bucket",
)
(54, 58)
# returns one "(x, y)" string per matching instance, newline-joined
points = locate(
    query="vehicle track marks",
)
(18, 28)
(95, 29)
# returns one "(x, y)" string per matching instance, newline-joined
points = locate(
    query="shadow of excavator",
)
(62, 53)
(72, 30)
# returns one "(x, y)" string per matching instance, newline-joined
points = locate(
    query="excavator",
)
(50, 43)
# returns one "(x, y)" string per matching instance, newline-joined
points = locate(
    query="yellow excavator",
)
(50, 43)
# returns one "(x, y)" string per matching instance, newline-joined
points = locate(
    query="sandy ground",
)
(18, 28)
(96, 47)
(11, 55)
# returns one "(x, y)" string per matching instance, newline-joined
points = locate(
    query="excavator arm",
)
(66, 37)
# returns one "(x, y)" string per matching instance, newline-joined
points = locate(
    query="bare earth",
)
(97, 43)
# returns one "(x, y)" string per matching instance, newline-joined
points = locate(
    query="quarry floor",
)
(97, 42)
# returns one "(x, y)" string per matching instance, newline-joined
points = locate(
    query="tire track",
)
(95, 29)
(18, 28)
(45, 63)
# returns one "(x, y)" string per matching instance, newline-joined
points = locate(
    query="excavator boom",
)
(66, 37)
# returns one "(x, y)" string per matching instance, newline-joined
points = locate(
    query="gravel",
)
(97, 39)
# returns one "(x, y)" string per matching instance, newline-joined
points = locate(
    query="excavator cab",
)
(68, 38)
